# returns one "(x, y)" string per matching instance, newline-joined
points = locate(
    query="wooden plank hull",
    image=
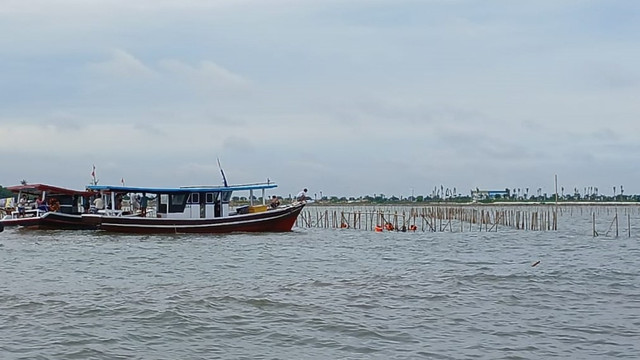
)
(52, 221)
(276, 220)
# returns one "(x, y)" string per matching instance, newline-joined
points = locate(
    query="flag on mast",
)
(122, 181)
(94, 181)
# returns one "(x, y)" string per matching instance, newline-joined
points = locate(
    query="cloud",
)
(238, 144)
(206, 78)
(614, 76)
(122, 65)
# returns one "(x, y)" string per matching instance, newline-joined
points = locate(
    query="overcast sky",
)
(344, 97)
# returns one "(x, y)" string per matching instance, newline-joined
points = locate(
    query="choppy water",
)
(319, 294)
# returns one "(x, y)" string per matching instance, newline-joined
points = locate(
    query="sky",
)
(343, 97)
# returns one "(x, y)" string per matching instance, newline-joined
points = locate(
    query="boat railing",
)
(110, 212)
(15, 214)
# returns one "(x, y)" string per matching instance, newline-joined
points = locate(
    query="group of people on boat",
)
(189, 209)
(275, 200)
(136, 203)
(39, 204)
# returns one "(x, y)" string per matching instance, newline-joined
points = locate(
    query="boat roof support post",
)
(251, 197)
(263, 202)
(113, 200)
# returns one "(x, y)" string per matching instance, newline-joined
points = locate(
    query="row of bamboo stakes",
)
(429, 219)
(455, 218)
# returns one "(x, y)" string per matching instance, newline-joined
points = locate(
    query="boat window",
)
(164, 203)
(177, 203)
(177, 199)
(226, 196)
(211, 198)
(194, 198)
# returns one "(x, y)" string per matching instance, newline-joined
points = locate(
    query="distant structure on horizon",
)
(478, 194)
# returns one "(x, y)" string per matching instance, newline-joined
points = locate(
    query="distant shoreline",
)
(496, 203)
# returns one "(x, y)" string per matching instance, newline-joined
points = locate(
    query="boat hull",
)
(51, 221)
(276, 220)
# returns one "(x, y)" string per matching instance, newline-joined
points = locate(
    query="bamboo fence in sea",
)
(460, 218)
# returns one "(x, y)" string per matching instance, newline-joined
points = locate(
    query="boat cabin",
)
(36, 199)
(188, 202)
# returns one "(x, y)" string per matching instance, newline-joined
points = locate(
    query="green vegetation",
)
(4, 193)
(381, 199)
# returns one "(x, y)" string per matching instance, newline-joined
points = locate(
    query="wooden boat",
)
(61, 208)
(195, 209)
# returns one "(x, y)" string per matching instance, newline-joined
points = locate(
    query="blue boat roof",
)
(183, 189)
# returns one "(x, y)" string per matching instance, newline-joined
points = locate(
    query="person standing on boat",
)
(302, 195)
(86, 204)
(143, 204)
(135, 202)
(275, 202)
(98, 203)
(119, 202)
(22, 204)
(41, 204)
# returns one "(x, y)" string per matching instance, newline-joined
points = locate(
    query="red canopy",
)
(36, 189)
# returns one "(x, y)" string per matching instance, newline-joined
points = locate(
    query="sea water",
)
(321, 294)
